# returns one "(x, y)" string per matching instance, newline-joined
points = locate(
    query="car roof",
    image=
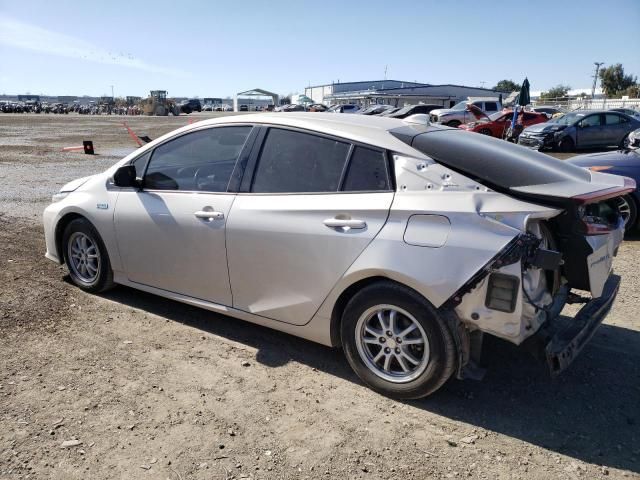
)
(367, 129)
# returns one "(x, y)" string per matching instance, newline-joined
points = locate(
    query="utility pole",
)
(112, 92)
(595, 78)
(482, 84)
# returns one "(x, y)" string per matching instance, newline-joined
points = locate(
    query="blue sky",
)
(219, 47)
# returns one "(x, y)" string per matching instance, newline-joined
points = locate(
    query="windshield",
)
(568, 119)
(499, 115)
(460, 106)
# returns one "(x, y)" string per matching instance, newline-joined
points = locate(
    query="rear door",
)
(308, 206)
(616, 128)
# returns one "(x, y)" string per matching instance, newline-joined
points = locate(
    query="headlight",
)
(59, 196)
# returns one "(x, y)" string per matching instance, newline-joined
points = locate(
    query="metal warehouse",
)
(395, 92)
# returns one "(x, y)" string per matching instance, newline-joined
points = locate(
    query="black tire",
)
(103, 280)
(453, 123)
(566, 145)
(624, 143)
(631, 208)
(486, 131)
(442, 356)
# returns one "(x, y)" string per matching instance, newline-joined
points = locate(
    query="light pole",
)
(595, 79)
(112, 93)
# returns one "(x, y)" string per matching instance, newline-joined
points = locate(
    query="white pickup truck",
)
(458, 114)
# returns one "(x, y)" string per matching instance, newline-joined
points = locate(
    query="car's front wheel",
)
(396, 343)
(566, 145)
(453, 123)
(86, 257)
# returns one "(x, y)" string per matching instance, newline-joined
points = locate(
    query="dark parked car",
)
(627, 111)
(317, 107)
(191, 105)
(244, 108)
(344, 109)
(293, 108)
(375, 110)
(390, 111)
(624, 162)
(413, 110)
(582, 129)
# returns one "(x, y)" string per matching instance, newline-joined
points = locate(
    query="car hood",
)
(544, 127)
(620, 158)
(75, 184)
(441, 111)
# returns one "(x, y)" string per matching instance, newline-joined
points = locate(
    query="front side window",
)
(296, 162)
(199, 161)
(490, 106)
(367, 171)
(591, 121)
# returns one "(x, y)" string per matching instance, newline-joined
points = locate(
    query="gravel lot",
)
(128, 385)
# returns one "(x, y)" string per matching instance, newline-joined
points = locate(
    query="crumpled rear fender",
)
(481, 225)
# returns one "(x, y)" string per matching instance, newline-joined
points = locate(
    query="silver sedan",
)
(400, 242)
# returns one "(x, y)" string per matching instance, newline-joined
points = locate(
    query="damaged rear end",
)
(561, 254)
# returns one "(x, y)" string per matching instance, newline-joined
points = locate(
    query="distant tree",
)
(559, 91)
(632, 92)
(506, 86)
(614, 81)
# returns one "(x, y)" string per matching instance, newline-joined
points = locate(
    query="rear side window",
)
(367, 171)
(613, 119)
(199, 161)
(296, 162)
(490, 106)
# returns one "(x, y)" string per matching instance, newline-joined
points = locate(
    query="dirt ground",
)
(140, 387)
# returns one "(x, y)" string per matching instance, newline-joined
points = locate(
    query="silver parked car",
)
(403, 243)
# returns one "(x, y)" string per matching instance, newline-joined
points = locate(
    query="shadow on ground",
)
(591, 413)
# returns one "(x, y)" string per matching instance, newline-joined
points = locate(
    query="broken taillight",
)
(597, 215)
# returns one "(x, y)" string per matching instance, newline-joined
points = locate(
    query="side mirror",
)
(125, 176)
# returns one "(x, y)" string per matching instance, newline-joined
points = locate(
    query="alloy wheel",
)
(84, 257)
(392, 343)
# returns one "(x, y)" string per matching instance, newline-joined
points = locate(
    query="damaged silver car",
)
(404, 244)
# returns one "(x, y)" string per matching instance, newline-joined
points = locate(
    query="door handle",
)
(345, 223)
(209, 215)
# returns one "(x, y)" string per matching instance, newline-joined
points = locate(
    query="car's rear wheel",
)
(566, 145)
(485, 131)
(86, 257)
(396, 343)
(628, 210)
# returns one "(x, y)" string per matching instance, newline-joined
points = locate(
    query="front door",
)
(171, 233)
(590, 131)
(313, 206)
